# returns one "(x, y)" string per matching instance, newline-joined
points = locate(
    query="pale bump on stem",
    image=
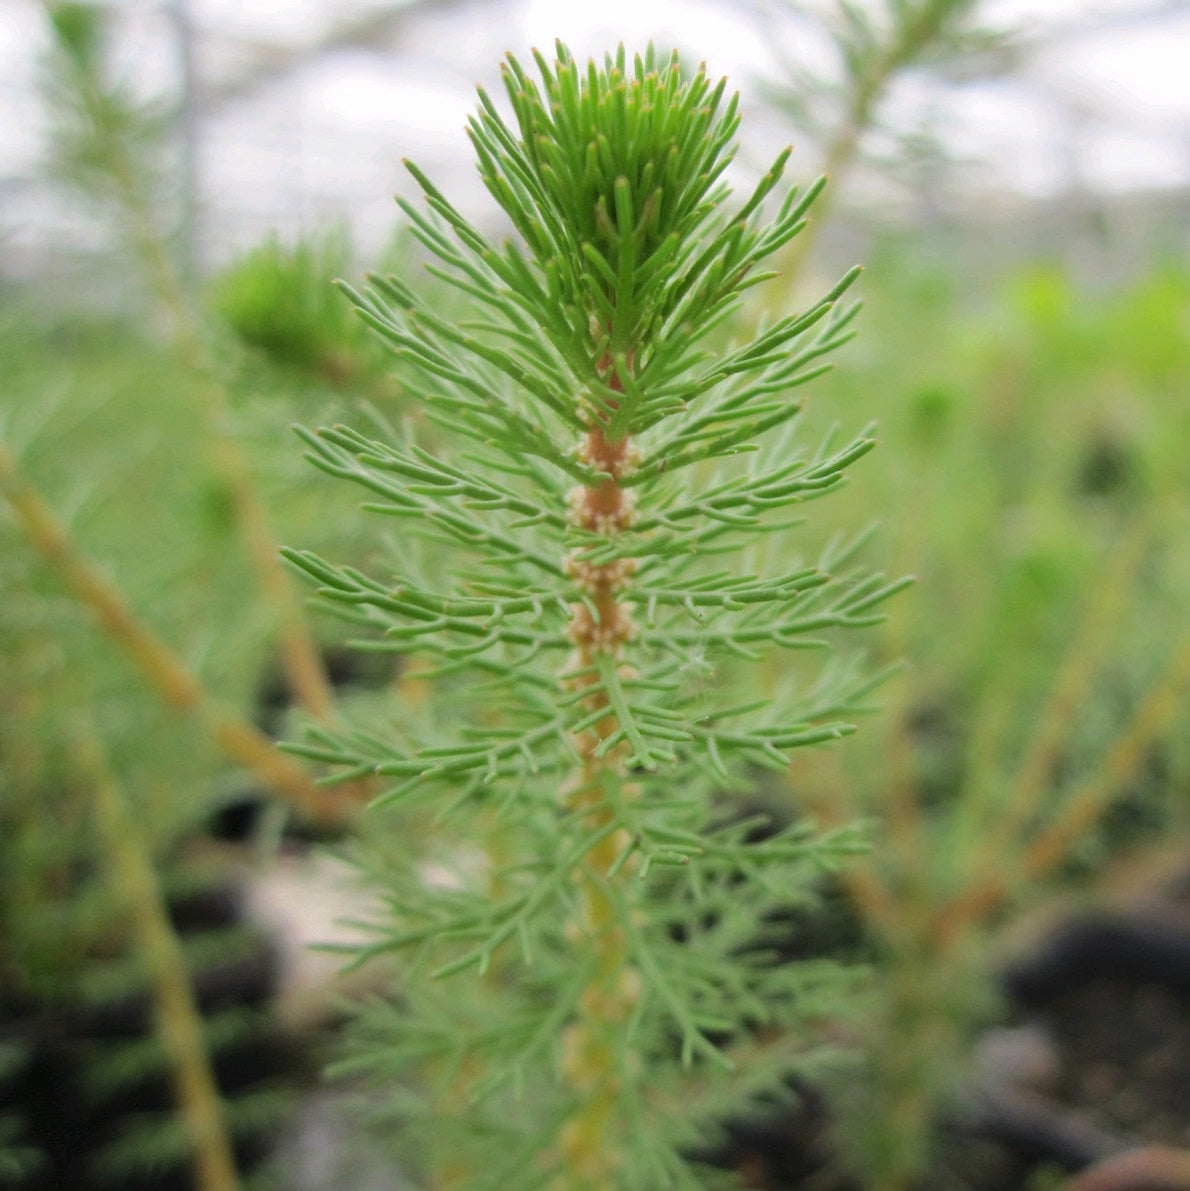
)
(589, 1049)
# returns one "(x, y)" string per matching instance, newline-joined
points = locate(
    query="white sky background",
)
(1105, 108)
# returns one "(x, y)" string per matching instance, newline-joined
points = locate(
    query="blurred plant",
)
(134, 1036)
(946, 878)
(593, 656)
(87, 1073)
(110, 144)
(163, 670)
(874, 46)
(1021, 731)
(107, 143)
(278, 299)
(177, 1020)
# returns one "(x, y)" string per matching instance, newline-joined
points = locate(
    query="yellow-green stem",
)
(1081, 808)
(1081, 663)
(920, 29)
(176, 1017)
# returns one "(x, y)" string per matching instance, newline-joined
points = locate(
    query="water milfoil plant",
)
(596, 565)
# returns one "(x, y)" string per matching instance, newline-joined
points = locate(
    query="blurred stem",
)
(300, 657)
(176, 1017)
(165, 672)
(299, 654)
(179, 11)
(828, 789)
(590, 1045)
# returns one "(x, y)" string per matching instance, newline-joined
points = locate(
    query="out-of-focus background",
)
(289, 114)
(180, 181)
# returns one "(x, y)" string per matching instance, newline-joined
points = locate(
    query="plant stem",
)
(165, 671)
(590, 1052)
(300, 658)
(1162, 703)
(176, 1017)
(591, 1063)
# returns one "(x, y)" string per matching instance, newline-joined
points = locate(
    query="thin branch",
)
(177, 1019)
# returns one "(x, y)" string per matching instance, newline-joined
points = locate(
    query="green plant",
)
(98, 997)
(277, 300)
(593, 580)
(108, 145)
(101, 994)
(837, 100)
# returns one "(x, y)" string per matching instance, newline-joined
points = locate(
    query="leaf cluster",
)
(513, 628)
(497, 1036)
(276, 300)
(603, 307)
(525, 379)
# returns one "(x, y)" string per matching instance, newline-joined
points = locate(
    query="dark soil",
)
(1101, 1032)
(1125, 1056)
(60, 1114)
